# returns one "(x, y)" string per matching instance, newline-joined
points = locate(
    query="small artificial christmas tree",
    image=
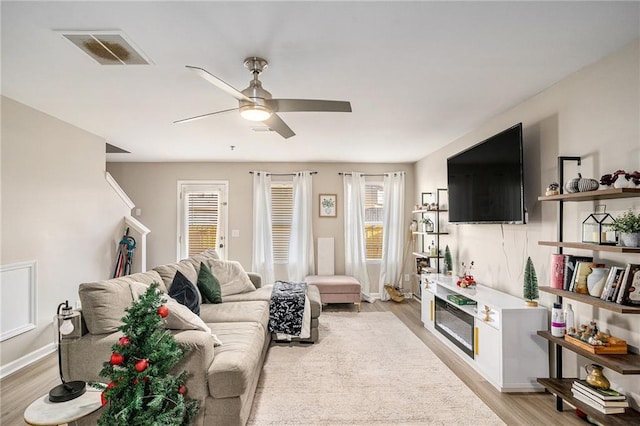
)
(448, 261)
(141, 391)
(530, 286)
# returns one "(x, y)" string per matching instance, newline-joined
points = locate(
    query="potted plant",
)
(628, 227)
(427, 224)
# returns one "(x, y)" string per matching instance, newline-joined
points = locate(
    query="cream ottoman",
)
(336, 288)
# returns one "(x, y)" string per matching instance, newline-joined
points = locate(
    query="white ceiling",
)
(418, 74)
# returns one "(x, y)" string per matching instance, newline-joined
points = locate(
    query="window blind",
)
(373, 205)
(281, 216)
(202, 221)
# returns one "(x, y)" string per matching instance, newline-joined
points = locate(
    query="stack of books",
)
(606, 401)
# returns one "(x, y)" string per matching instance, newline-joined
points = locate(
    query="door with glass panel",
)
(202, 217)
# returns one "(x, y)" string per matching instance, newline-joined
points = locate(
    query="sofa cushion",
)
(262, 293)
(185, 292)
(208, 285)
(253, 311)
(168, 272)
(180, 317)
(232, 277)
(196, 260)
(235, 363)
(104, 302)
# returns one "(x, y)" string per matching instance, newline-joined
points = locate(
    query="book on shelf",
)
(629, 293)
(557, 271)
(608, 404)
(570, 268)
(610, 286)
(593, 404)
(603, 395)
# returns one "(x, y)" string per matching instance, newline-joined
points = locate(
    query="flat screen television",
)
(486, 183)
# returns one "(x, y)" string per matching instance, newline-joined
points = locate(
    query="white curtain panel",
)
(354, 239)
(262, 261)
(301, 262)
(391, 265)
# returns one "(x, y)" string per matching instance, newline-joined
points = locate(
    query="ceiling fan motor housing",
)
(258, 95)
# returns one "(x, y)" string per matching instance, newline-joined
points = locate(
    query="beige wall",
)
(153, 188)
(57, 209)
(595, 114)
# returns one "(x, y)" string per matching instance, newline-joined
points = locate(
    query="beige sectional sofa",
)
(223, 378)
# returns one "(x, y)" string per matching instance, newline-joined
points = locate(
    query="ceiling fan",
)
(256, 104)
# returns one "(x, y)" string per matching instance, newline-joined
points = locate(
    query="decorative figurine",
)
(553, 189)
(466, 280)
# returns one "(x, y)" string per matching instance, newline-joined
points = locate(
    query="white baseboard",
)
(28, 359)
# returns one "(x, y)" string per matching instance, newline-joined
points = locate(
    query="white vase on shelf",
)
(596, 281)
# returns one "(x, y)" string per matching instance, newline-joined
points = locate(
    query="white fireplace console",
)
(506, 349)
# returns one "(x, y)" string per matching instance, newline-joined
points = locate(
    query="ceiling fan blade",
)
(276, 124)
(198, 117)
(295, 105)
(219, 83)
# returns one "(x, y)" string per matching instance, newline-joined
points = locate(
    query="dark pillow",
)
(185, 292)
(208, 285)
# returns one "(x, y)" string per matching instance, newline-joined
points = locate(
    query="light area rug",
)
(369, 369)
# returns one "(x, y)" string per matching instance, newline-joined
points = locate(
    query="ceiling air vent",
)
(107, 47)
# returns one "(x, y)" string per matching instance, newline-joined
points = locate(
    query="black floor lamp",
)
(64, 326)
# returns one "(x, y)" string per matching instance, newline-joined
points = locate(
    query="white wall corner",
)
(118, 189)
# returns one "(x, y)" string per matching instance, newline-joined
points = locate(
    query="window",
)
(281, 215)
(373, 204)
(201, 223)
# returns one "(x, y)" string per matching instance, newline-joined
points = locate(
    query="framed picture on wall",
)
(328, 205)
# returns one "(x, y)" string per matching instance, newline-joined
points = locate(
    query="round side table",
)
(42, 412)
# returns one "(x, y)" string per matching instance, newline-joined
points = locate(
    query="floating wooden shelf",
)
(624, 364)
(603, 194)
(562, 388)
(428, 211)
(593, 301)
(427, 255)
(589, 246)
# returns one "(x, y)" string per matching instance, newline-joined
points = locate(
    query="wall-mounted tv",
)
(486, 183)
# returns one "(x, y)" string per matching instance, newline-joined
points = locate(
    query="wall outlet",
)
(406, 278)
(78, 304)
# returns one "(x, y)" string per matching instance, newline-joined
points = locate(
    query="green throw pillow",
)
(208, 285)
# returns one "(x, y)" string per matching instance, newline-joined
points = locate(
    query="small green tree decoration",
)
(530, 287)
(141, 391)
(448, 261)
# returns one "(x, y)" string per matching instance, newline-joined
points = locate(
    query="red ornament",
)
(103, 399)
(142, 365)
(163, 311)
(124, 341)
(116, 359)
(182, 390)
(111, 385)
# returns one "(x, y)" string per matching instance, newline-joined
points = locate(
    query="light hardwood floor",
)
(20, 389)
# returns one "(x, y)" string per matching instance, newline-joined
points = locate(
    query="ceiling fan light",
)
(255, 113)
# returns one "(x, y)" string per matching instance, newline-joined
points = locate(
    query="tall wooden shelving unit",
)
(622, 364)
